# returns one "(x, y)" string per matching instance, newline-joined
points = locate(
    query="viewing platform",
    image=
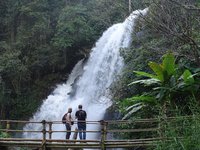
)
(111, 134)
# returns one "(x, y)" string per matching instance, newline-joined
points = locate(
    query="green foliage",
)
(167, 78)
(168, 25)
(188, 77)
(162, 72)
(4, 134)
(10, 63)
(40, 41)
(166, 83)
(79, 31)
(183, 133)
(135, 103)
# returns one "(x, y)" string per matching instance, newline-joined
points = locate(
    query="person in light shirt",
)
(68, 122)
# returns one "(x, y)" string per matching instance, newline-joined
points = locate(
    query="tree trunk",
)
(130, 8)
(2, 114)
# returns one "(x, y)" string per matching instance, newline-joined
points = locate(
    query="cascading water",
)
(89, 83)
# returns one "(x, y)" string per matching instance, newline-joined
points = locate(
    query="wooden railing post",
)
(162, 126)
(103, 133)
(43, 135)
(7, 126)
(50, 130)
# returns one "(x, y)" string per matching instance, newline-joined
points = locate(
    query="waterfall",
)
(89, 82)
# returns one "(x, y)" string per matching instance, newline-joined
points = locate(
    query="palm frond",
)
(147, 82)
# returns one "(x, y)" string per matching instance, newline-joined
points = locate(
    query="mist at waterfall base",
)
(88, 84)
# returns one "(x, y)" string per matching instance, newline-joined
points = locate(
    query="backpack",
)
(81, 115)
(64, 118)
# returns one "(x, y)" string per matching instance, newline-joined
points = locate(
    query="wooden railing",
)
(110, 136)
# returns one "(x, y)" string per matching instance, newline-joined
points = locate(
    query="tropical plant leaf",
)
(169, 63)
(135, 108)
(127, 102)
(181, 85)
(161, 95)
(166, 89)
(141, 73)
(158, 70)
(147, 82)
(188, 77)
(144, 98)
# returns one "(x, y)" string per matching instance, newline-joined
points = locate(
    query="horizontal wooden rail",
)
(48, 140)
(152, 120)
(54, 122)
(133, 130)
(93, 145)
(88, 131)
(5, 130)
(136, 140)
(19, 139)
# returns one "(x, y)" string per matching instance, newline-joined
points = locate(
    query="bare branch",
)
(188, 7)
(173, 20)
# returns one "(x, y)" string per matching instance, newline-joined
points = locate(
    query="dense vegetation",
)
(162, 71)
(169, 26)
(41, 40)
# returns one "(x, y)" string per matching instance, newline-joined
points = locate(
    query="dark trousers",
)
(81, 130)
(68, 128)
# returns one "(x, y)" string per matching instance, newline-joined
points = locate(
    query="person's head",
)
(69, 110)
(80, 106)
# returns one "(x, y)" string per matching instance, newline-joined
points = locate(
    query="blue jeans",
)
(68, 128)
(81, 130)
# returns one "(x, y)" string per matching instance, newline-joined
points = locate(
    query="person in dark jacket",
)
(81, 116)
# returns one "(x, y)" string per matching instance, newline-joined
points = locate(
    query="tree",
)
(177, 21)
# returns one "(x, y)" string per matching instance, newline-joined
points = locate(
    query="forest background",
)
(41, 41)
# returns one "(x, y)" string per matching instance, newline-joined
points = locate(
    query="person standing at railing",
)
(68, 120)
(81, 116)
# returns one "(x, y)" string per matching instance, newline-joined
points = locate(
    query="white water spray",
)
(88, 85)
